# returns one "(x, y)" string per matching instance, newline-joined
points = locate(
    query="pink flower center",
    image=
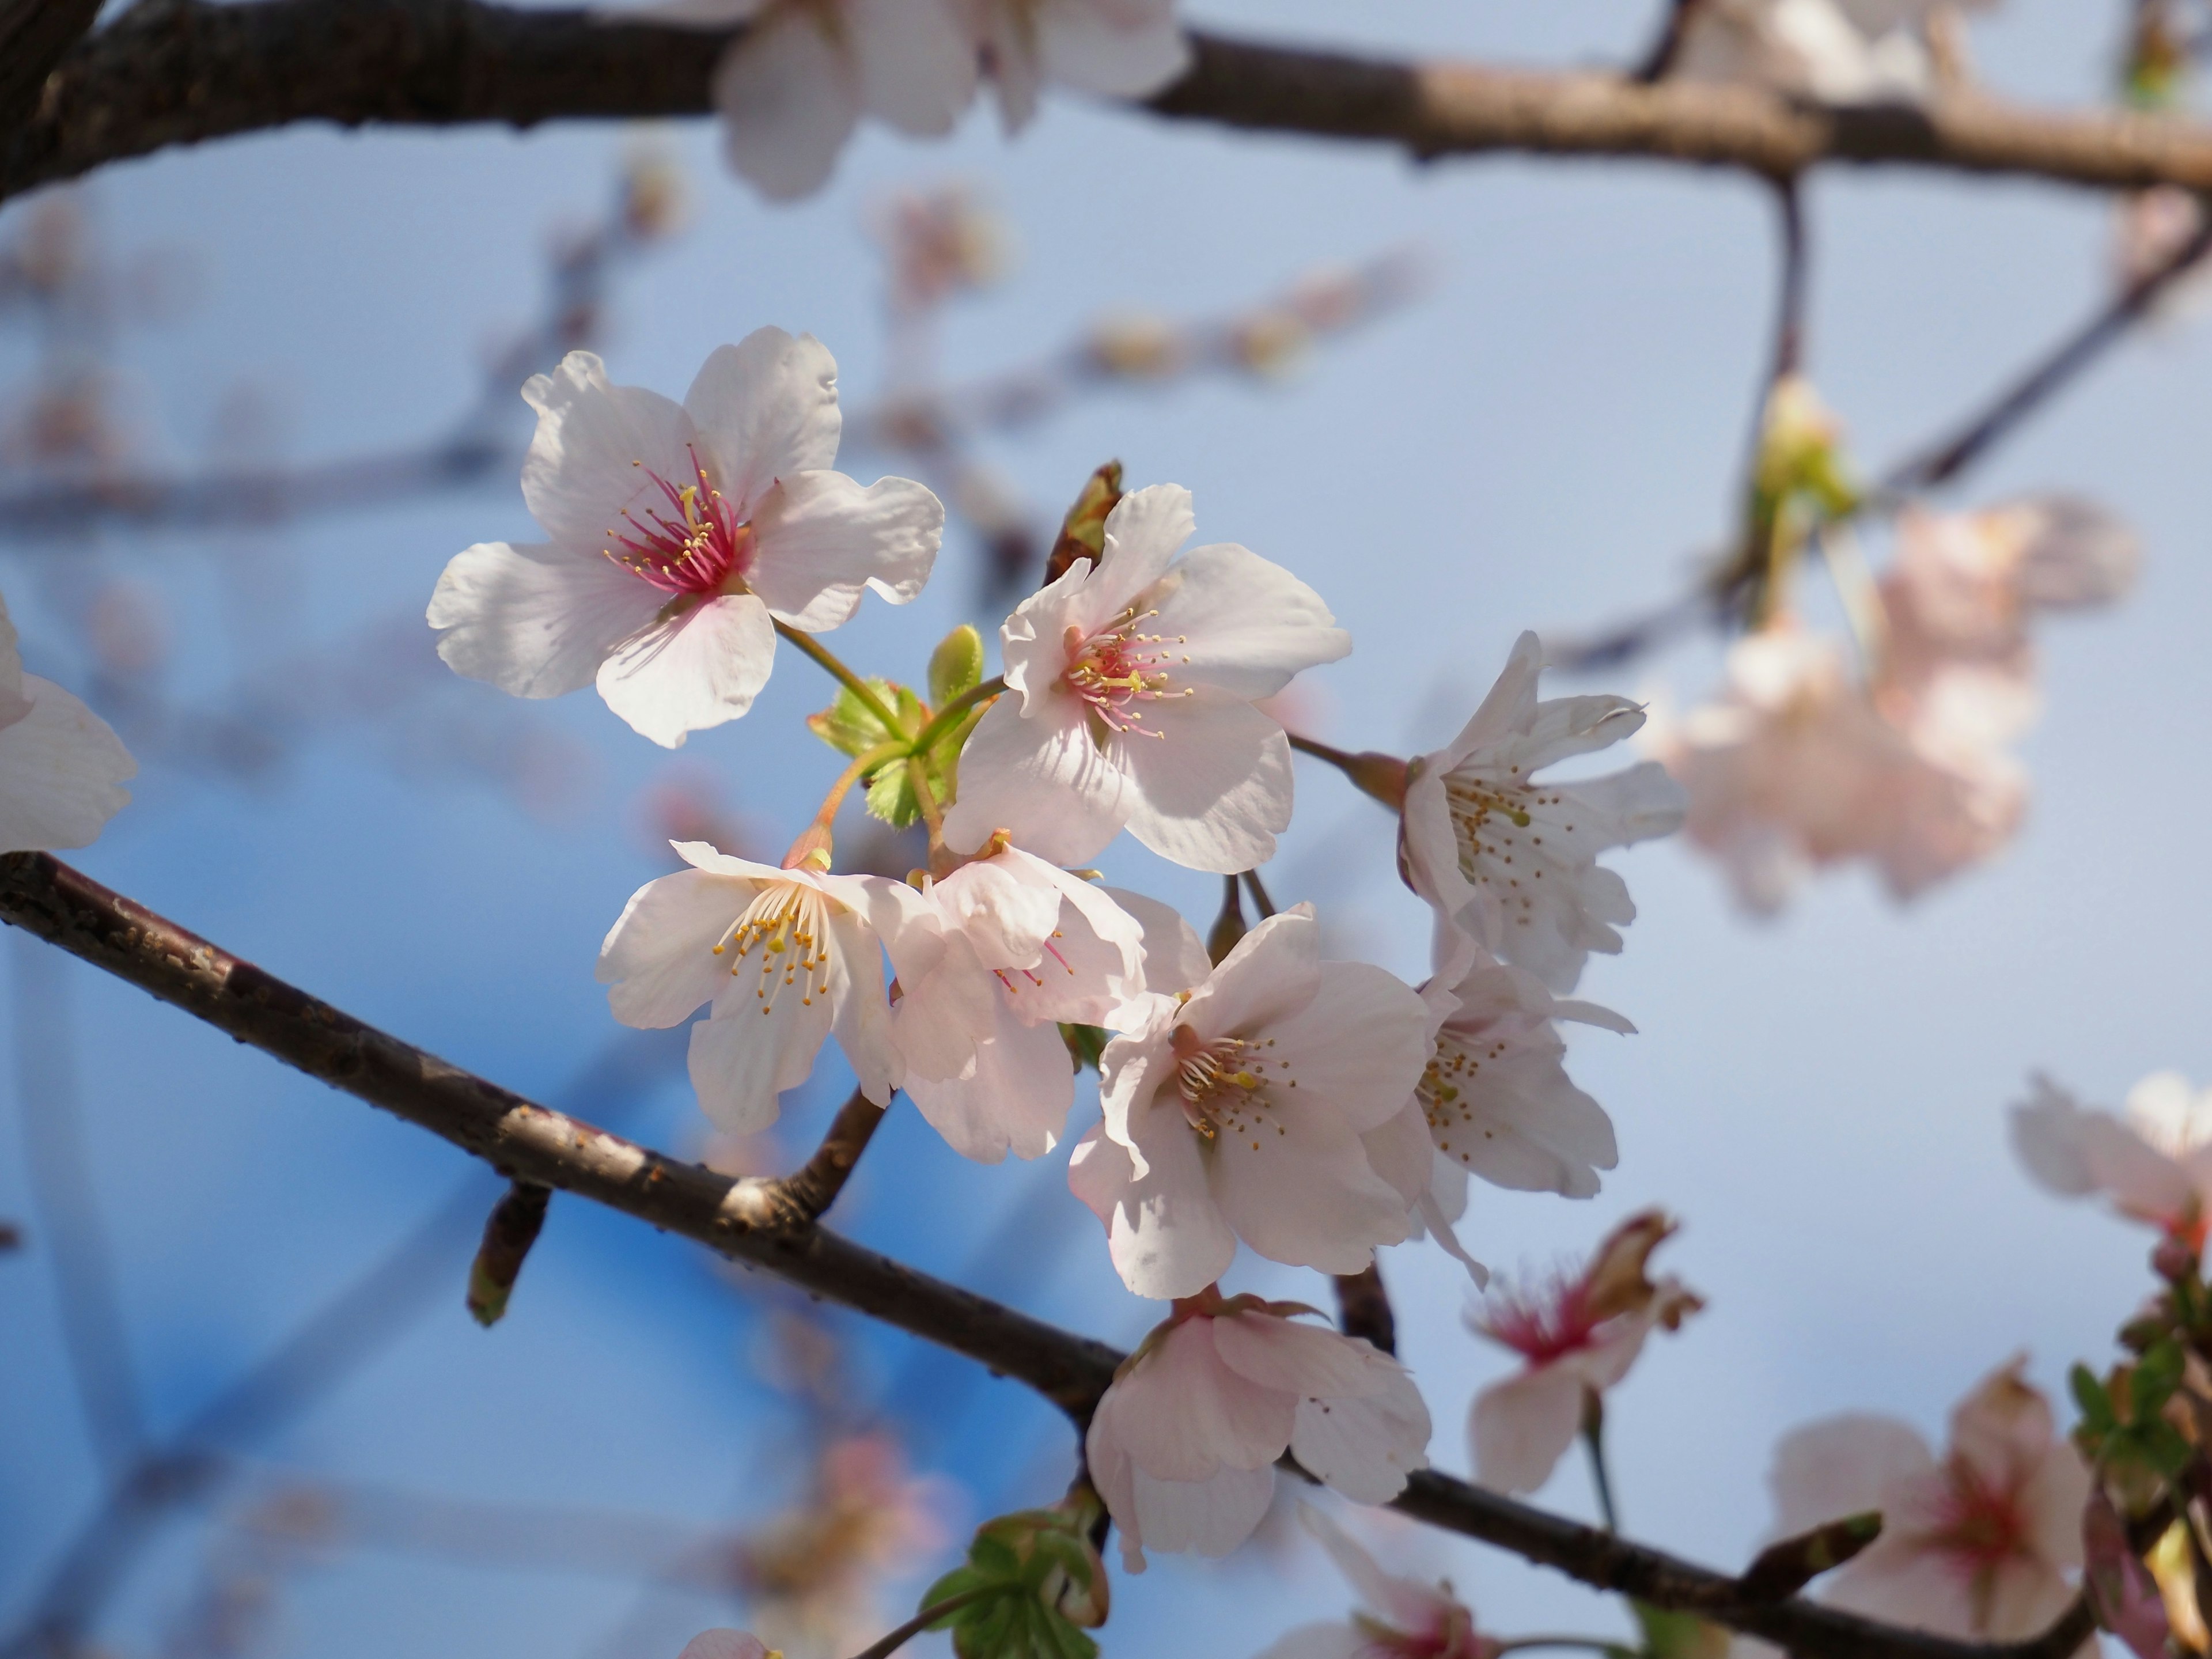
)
(1117, 668)
(695, 547)
(1225, 1084)
(1544, 1324)
(1979, 1525)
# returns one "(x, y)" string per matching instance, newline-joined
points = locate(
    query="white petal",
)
(1015, 1097)
(1242, 623)
(1213, 791)
(1294, 1182)
(1082, 44)
(1141, 535)
(1322, 1641)
(1182, 1413)
(824, 540)
(917, 68)
(860, 1014)
(742, 1059)
(788, 100)
(766, 409)
(1365, 1448)
(1400, 1152)
(1406, 1604)
(1269, 977)
(1006, 905)
(1360, 1049)
(658, 960)
(536, 621)
(1042, 780)
(14, 705)
(62, 771)
(724, 1644)
(1166, 1236)
(597, 452)
(702, 667)
(1520, 1427)
(1175, 956)
(1842, 1466)
(1212, 1517)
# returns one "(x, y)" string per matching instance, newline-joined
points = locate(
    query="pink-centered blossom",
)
(1401, 1618)
(680, 534)
(62, 767)
(1496, 1098)
(1244, 1108)
(1183, 1444)
(1113, 48)
(1980, 1543)
(727, 1644)
(1130, 691)
(1576, 1338)
(1513, 862)
(992, 957)
(2154, 1160)
(785, 957)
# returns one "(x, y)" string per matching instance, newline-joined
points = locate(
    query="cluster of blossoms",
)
(1904, 761)
(1312, 1110)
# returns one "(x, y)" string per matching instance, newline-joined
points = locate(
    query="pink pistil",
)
(1979, 1525)
(1117, 668)
(702, 551)
(1545, 1324)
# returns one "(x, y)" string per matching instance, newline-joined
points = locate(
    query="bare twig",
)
(181, 72)
(1362, 1308)
(813, 1186)
(46, 898)
(509, 1231)
(1791, 298)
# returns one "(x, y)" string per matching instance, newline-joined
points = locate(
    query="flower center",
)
(1487, 820)
(1543, 1325)
(787, 925)
(1443, 1092)
(1009, 976)
(1980, 1525)
(694, 548)
(1224, 1084)
(1117, 668)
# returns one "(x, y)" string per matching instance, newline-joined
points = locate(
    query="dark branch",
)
(180, 71)
(1362, 1308)
(528, 1142)
(35, 36)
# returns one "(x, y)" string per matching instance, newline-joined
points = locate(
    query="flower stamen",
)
(1117, 668)
(787, 923)
(701, 549)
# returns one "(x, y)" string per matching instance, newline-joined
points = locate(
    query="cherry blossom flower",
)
(792, 87)
(1239, 1109)
(1840, 51)
(727, 1644)
(1404, 1618)
(680, 534)
(1115, 48)
(1977, 1544)
(62, 768)
(2154, 1162)
(1514, 862)
(1131, 685)
(1793, 767)
(784, 957)
(1495, 1098)
(994, 955)
(1183, 1444)
(1576, 1338)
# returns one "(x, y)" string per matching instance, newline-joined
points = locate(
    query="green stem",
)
(1594, 1443)
(844, 676)
(945, 719)
(922, 1621)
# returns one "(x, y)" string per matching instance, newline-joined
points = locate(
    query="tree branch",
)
(180, 71)
(526, 1141)
(35, 36)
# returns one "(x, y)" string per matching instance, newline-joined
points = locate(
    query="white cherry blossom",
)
(784, 957)
(1131, 685)
(1115, 48)
(1403, 1618)
(1576, 1338)
(680, 533)
(727, 1644)
(1241, 1110)
(1839, 51)
(1183, 1444)
(2153, 1161)
(1978, 1544)
(62, 767)
(1514, 862)
(991, 958)
(1496, 1098)
(792, 87)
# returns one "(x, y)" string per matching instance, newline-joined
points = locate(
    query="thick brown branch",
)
(178, 72)
(35, 36)
(1362, 1308)
(528, 1142)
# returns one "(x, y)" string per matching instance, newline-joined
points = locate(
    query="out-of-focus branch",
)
(35, 36)
(46, 898)
(1362, 1308)
(181, 72)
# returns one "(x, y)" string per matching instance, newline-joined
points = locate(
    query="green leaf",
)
(955, 667)
(850, 726)
(2096, 1403)
(891, 796)
(1670, 1635)
(2155, 1377)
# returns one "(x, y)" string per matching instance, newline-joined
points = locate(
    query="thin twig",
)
(1790, 305)
(1362, 1308)
(1658, 59)
(811, 1188)
(892, 1641)
(46, 898)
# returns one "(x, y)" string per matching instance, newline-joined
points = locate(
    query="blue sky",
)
(1546, 439)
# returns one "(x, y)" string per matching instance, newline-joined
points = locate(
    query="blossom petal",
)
(1320, 1641)
(1520, 1428)
(766, 409)
(598, 451)
(1841, 1466)
(1166, 1235)
(1175, 956)
(1359, 1049)
(1215, 793)
(1269, 979)
(916, 66)
(1400, 1152)
(62, 771)
(1182, 1413)
(1406, 1604)
(824, 540)
(702, 667)
(658, 960)
(1297, 1360)
(1212, 1517)
(1118, 52)
(741, 1060)
(1294, 1182)
(1365, 1448)
(1016, 1098)
(724, 1644)
(788, 100)
(537, 620)
(1041, 779)
(1142, 534)
(1246, 624)
(860, 1015)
